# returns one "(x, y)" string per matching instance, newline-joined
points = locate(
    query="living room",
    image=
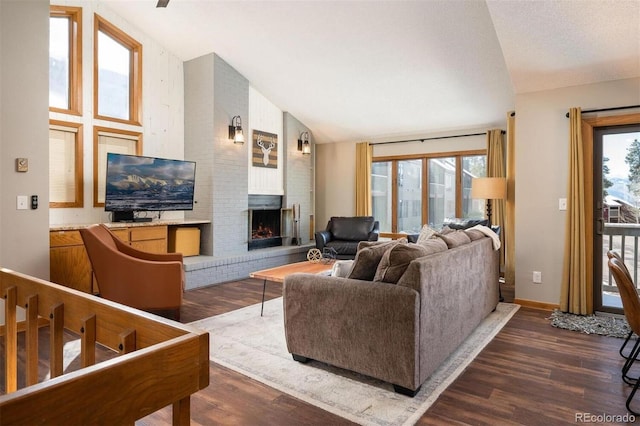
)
(541, 135)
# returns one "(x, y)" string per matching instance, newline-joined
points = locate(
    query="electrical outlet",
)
(537, 277)
(562, 203)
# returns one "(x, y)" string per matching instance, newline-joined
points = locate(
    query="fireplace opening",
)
(264, 221)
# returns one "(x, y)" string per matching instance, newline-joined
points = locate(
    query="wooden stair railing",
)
(160, 362)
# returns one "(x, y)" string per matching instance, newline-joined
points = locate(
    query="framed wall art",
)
(264, 149)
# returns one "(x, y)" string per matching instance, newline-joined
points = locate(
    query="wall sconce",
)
(303, 143)
(235, 130)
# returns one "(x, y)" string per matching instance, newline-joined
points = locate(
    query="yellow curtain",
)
(510, 205)
(364, 157)
(496, 168)
(576, 295)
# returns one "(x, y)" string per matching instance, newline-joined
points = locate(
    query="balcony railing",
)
(622, 238)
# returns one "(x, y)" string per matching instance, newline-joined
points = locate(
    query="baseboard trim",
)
(536, 305)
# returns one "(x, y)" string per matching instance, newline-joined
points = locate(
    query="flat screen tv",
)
(139, 184)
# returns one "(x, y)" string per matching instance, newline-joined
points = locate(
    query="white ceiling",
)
(365, 70)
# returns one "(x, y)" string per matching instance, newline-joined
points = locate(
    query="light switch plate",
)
(22, 202)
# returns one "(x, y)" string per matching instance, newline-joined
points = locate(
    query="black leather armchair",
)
(344, 233)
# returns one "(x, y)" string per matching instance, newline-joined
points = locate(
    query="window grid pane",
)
(59, 62)
(442, 190)
(381, 194)
(409, 196)
(106, 144)
(472, 167)
(114, 64)
(62, 166)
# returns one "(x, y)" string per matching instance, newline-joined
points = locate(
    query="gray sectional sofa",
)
(397, 332)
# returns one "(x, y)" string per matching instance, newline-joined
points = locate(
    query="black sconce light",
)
(235, 130)
(303, 143)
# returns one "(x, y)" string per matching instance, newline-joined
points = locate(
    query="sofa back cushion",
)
(474, 234)
(368, 257)
(455, 239)
(355, 228)
(396, 260)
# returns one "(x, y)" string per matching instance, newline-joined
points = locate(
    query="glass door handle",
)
(599, 226)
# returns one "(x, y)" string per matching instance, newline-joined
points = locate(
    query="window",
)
(473, 166)
(408, 192)
(65, 60)
(117, 74)
(442, 189)
(381, 190)
(409, 189)
(110, 140)
(65, 165)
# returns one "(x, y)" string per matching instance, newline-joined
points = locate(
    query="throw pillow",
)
(396, 260)
(435, 245)
(425, 233)
(455, 239)
(341, 268)
(445, 230)
(367, 260)
(474, 234)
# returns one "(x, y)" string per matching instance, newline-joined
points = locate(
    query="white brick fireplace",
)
(225, 175)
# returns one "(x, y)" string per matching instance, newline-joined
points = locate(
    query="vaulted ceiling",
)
(363, 70)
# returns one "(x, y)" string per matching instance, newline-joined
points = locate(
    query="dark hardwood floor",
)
(530, 374)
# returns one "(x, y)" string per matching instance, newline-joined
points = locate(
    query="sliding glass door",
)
(616, 208)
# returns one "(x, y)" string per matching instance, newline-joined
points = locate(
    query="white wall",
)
(24, 132)
(298, 174)
(162, 108)
(542, 141)
(266, 117)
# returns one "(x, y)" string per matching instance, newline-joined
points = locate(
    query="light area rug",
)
(255, 346)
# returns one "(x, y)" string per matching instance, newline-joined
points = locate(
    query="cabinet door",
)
(69, 263)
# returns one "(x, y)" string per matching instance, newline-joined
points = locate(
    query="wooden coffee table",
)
(278, 273)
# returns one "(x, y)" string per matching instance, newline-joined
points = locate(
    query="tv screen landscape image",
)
(137, 183)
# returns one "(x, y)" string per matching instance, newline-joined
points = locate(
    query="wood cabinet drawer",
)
(65, 238)
(148, 233)
(123, 234)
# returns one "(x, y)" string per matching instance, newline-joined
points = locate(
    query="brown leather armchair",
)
(146, 281)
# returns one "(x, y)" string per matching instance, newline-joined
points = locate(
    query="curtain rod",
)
(586, 111)
(433, 138)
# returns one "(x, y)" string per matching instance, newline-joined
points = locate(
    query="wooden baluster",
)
(127, 341)
(32, 340)
(88, 350)
(56, 330)
(11, 340)
(182, 412)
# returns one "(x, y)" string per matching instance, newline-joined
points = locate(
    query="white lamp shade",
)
(489, 188)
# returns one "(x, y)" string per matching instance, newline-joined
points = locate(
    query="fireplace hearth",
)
(265, 216)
